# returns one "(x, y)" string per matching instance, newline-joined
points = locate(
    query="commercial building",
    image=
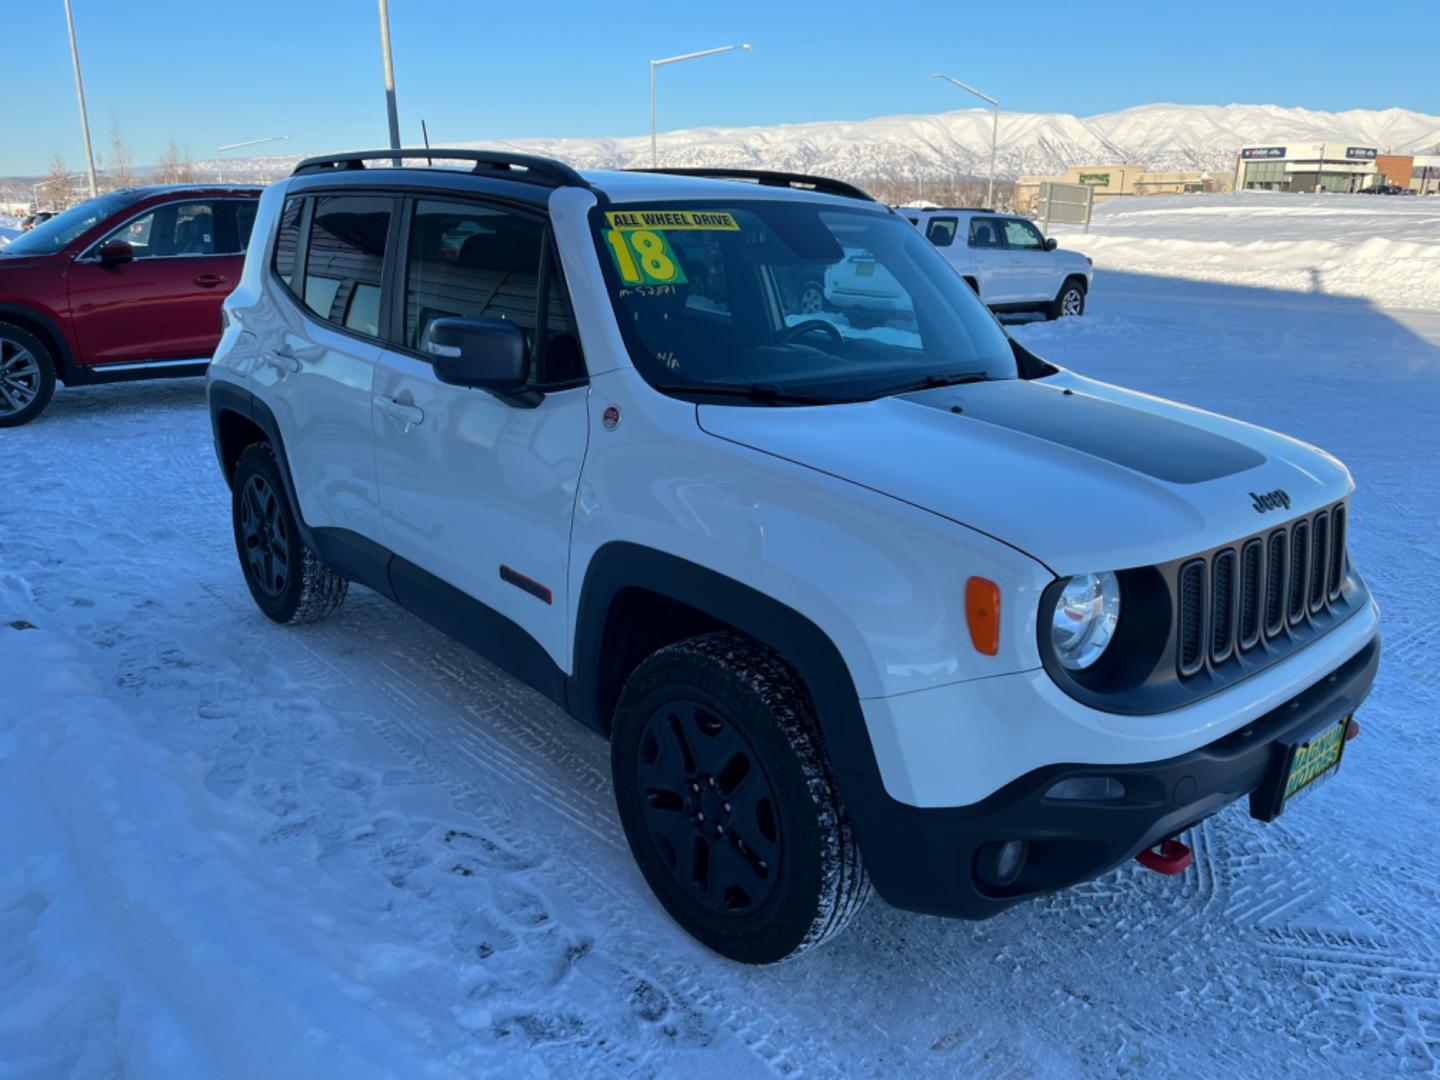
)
(1113, 181)
(1419, 173)
(1306, 167)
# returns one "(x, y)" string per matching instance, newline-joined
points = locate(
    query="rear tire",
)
(727, 799)
(1069, 302)
(287, 580)
(27, 376)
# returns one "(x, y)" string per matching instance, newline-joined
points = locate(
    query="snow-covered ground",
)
(1382, 248)
(354, 849)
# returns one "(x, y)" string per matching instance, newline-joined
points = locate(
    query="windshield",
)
(791, 302)
(50, 236)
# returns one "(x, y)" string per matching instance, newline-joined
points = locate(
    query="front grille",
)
(1257, 589)
(1192, 613)
(1222, 605)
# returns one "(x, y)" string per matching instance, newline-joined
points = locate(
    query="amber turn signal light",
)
(982, 612)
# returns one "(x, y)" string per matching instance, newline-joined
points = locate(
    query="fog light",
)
(1000, 862)
(1087, 789)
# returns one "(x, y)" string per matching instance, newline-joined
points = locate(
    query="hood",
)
(1081, 475)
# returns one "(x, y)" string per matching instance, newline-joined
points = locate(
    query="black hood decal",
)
(1157, 446)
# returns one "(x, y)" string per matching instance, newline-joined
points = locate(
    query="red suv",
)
(127, 285)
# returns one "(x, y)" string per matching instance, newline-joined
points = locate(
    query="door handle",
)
(407, 415)
(283, 361)
(209, 281)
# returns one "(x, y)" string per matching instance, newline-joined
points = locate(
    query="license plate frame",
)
(1304, 763)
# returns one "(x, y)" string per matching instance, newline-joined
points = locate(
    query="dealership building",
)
(1306, 167)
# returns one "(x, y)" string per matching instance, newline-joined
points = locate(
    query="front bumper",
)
(928, 862)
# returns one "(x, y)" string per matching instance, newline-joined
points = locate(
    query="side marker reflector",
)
(982, 612)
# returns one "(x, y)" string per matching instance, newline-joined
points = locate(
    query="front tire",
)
(287, 580)
(27, 376)
(728, 802)
(1069, 302)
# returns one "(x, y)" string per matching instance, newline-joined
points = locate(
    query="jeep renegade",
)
(900, 606)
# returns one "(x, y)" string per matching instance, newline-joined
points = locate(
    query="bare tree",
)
(120, 174)
(57, 184)
(173, 168)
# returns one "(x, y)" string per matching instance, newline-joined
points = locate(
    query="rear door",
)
(319, 352)
(165, 304)
(476, 491)
(1031, 265)
(992, 259)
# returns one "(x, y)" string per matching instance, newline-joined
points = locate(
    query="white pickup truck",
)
(1007, 261)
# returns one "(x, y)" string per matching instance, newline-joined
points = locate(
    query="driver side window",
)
(1022, 236)
(171, 229)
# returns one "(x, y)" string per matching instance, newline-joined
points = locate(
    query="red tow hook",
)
(1352, 730)
(1172, 857)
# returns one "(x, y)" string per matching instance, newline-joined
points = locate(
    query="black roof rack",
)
(767, 178)
(541, 170)
(947, 209)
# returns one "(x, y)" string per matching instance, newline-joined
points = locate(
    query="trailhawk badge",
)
(1271, 500)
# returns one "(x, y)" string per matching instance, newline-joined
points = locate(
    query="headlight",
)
(1084, 620)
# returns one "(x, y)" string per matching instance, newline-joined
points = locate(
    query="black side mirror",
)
(1051, 243)
(487, 354)
(116, 251)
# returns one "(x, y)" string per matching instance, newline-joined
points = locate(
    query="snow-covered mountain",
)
(953, 144)
(958, 143)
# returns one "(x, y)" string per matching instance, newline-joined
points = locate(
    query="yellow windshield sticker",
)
(659, 220)
(644, 257)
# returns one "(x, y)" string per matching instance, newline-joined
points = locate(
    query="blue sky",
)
(209, 74)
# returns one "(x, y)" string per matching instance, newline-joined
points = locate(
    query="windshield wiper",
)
(930, 382)
(764, 393)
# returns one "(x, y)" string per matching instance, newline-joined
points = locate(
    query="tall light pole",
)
(389, 75)
(220, 165)
(80, 94)
(654, 154)
(994, 132)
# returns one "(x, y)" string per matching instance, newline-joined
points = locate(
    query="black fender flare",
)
(226, 397)
(66, 369)
(808, 649)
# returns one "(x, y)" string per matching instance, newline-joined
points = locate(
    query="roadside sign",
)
(1068, 204)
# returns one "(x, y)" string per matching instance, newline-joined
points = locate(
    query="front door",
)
(477, 491)
(992, 261)
(165, 304)
(1030, 264)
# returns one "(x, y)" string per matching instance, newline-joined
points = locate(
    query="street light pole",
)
(220, 165)
(654, 153)
(389, 75)
(80, 94)
(994, 132)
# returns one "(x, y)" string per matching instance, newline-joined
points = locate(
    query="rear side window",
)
(244, 222)
(941, 231)
(345, 258)
(985, 233)
(287, 242)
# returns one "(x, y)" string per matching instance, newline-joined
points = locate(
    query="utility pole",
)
(389, 74)
(654, 152)
(80, 94)
(994, 132)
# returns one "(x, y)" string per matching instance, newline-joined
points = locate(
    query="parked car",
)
(29, 221)
(908, 606)
(1006, 260)
(126, 285)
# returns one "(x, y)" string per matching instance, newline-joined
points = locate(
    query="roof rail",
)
(537, 169)
(768, 178)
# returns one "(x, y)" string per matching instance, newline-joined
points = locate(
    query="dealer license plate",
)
(1315, 761)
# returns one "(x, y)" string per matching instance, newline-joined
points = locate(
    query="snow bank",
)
(134, 940)
(1383, 249)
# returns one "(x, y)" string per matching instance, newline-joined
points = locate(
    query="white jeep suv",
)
(902, 606)
(1006, 260)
